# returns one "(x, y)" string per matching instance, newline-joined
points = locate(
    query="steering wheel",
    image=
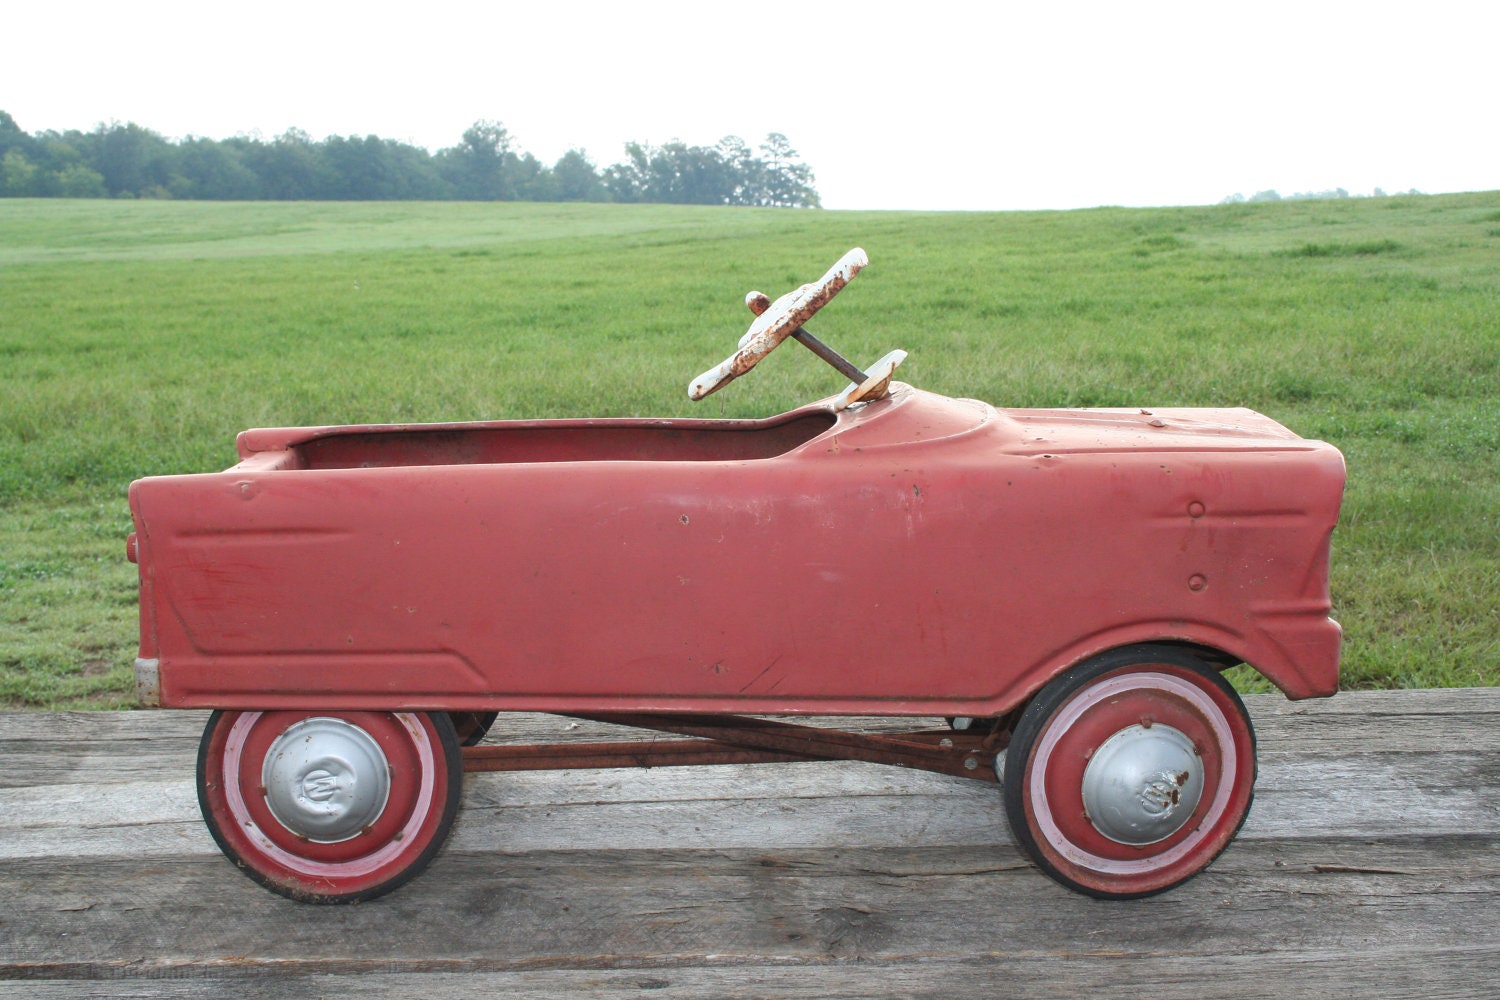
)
(780, 320)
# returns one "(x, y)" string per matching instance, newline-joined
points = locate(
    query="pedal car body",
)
(356, 590)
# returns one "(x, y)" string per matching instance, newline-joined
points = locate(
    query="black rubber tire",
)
(270, 855)
(1057, 857)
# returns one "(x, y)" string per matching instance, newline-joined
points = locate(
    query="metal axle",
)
(736, 739)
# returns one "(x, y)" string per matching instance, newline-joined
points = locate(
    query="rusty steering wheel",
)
(784, 318)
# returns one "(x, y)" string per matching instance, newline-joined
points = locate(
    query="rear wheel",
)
(1130, 773)
(329, 807)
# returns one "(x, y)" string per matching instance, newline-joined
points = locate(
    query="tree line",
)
(1271, 195)
(128, 161)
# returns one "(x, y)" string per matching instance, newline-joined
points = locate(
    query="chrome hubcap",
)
(1142, 784)
(326, 779)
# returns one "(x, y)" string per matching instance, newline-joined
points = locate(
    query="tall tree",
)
(577, 180)
(788, 181)
(482, 166)
(19, 177)
(209, 169)
(291, 168)
(134, 161)
(11, 137)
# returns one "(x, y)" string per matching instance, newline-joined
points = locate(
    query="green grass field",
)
(137, 338)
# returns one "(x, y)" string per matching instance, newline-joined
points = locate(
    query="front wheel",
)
(1128, 774)
(329, 807)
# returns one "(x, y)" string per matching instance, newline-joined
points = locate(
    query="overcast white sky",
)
(917, 105)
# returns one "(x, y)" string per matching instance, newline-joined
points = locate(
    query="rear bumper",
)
(148, 682)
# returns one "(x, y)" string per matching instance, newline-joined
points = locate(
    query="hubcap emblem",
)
(326, 779)
(320, 785)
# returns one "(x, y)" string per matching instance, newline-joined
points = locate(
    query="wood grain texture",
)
(1370, 866)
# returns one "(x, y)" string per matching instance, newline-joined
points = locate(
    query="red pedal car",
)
(1065, 586)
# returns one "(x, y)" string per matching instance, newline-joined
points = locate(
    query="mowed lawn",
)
(137, 338)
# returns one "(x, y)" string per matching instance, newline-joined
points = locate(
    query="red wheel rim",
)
(1052, 790)
(394, 844)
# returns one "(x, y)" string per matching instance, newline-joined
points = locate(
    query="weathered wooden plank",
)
(792, 805)
(104, 747)
(1448, 974)
(1429, 701)
(85, 748)
(1277, 901)
(84, 728)
(1368, 867)
(1268, 709)
(564, 907)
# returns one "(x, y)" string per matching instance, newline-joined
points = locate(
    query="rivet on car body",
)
(1197, 582)
(1195, 509)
